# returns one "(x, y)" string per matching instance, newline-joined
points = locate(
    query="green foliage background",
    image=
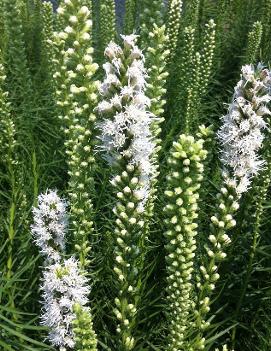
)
(202, 69)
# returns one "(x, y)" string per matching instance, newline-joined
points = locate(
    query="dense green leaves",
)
(49, 138)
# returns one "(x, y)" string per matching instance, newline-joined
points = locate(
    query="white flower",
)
(84, 11)
(241, 134)
(113, 50)
(104, 106)
(63, 287)
(129, 41)
(116, 101)
(50, 225)
(108, 68)
(127, 91)
(136, 75)
(127, 134)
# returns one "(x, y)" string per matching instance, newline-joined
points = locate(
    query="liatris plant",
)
(47, 51)
(241, 134)
(240, 156)
(17, 68)
(153, 14)
(241, 137)
(130, 16)
(253, 44)
(173, 25)
(50, 226)
(76, 98)
(157, 77)
(163, 242)
(107, 23)
(64, 287)
(126, 144)
(183, 183)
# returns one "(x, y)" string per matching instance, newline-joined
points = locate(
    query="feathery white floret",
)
(241, 134)
(125, 128)
(63, 287)
(50, 225)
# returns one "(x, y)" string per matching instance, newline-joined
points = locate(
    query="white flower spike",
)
(241, 134)
(63, 287)
(50, 225)
(125, 128)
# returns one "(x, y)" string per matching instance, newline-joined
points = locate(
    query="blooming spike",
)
(50, 225)
(127, 132)
(241, 134)
(63, 288)
(127, 144)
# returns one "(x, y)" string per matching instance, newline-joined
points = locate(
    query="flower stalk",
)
(76, 97)
(183, 183)
(126, 143)
(173, 26)
(64, 286)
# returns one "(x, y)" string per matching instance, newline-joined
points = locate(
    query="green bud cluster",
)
(129, 232)
(107, 22)
(76, 97)
(156, 57)
(186, 80)
(1, 25)
(195, 68)
(47, 49)
(192, 98)
(265, 20)
(183, 184)
(173, 26)
(18, 75)
(188, 54)
(152, 14)
(7, 127)
(227, 203)
(130, 14)
(192, 13)
(253, 44)
(84, 335)
(207, 56)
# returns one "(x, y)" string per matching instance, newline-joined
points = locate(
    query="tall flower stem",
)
(76, 97)
(152, 14)
(107, 23)
(125, 140)
(183, 184)
(130, 14)
(15, 56)
(64, 287)
(227, 204)
(173, 26)
(260, 194)
(253, 44)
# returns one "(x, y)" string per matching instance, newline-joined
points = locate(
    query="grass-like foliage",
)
(135, 171)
